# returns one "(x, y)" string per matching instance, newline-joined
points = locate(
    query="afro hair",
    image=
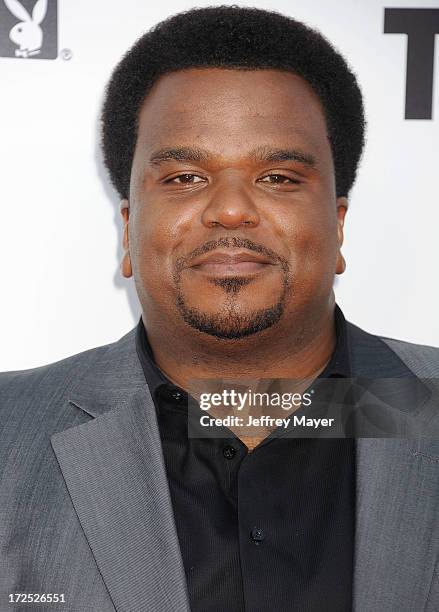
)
(239, 38)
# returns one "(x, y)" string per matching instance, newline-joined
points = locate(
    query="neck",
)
(296, 351)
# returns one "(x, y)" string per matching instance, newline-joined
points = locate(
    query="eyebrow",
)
(261, 154)
(179, 154)
(274, 155)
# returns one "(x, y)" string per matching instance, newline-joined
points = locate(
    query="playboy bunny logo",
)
(29, 29)
(27, 34)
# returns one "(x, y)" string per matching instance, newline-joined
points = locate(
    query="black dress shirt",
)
(270, 530)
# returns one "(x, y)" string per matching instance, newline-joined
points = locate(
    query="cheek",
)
(157, 233)
(318, 244)
(312, 242)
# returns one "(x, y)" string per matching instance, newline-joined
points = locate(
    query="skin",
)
(235, 200)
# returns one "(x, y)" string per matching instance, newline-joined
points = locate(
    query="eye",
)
(278, 179)
(185, 179)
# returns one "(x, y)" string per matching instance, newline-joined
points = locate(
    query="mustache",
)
(231, 242)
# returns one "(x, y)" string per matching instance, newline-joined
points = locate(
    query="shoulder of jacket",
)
(50, 381)
(422, 359)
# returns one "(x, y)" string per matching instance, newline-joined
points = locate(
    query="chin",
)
(229, 323)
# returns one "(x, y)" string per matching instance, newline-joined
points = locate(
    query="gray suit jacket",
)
(85, 508)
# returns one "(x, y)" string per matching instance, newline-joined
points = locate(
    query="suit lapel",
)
(114, 470)
(396, 542)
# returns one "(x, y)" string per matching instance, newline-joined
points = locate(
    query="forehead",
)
(230, 110)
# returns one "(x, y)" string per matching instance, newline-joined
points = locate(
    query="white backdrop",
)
(62, 291)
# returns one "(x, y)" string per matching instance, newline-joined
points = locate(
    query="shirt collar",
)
(340, 363)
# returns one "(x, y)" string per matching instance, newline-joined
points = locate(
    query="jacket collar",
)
(114, 470)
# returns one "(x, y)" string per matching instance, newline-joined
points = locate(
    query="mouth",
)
(237, 263)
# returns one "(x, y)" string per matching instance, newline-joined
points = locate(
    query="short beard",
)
(229, 324)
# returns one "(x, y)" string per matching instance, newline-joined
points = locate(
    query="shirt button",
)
(177, 395)
(257, 535)
(229, 452)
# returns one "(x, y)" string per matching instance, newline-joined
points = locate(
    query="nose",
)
(230, 206)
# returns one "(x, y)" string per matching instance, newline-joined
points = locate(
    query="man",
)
(233, 137)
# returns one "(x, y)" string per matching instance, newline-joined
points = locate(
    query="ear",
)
(342, 207)
(125, 265)
(17, 10)
(39, 12)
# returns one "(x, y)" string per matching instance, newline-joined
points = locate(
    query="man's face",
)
(234, 227)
